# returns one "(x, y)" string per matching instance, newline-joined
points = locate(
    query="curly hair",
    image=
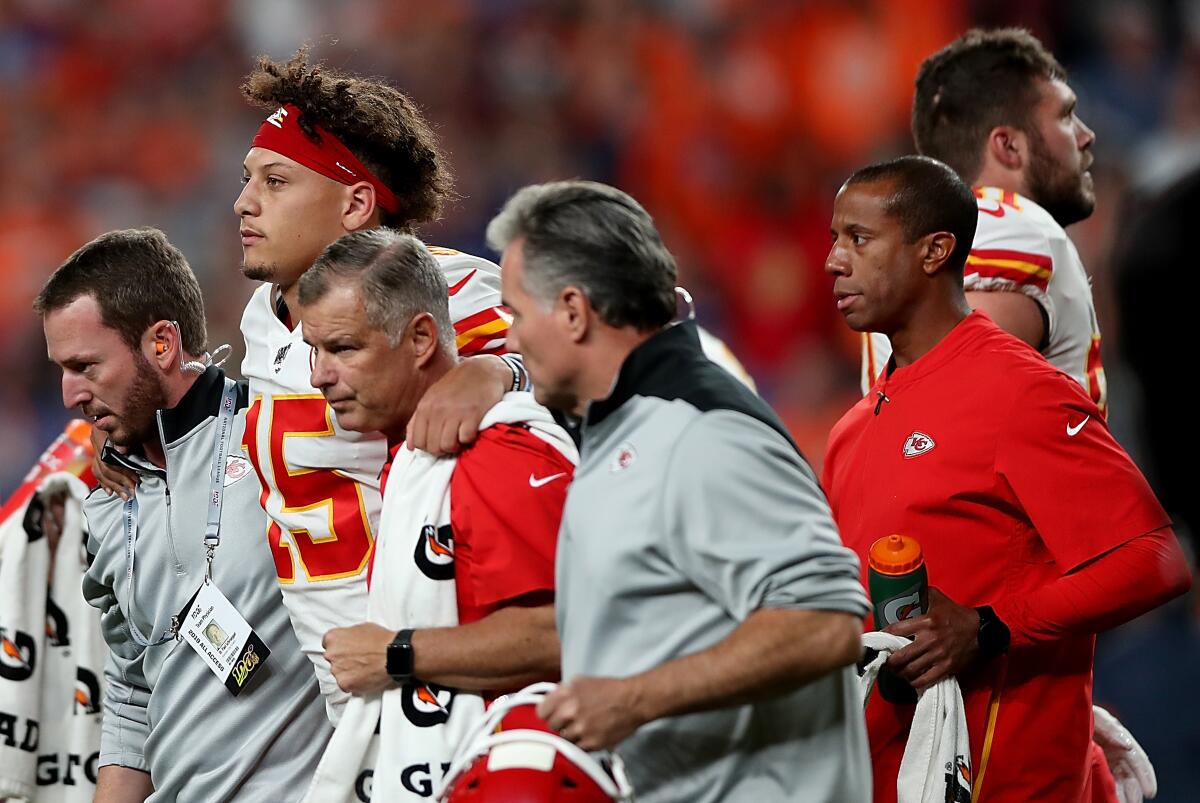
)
(981, 80)
(378, 123)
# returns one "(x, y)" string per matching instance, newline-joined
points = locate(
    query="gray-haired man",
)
(468, 612)
(707, 609)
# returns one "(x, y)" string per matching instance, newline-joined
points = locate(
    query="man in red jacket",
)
(1037, 528)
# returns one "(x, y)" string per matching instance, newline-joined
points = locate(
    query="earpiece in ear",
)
(160, 348)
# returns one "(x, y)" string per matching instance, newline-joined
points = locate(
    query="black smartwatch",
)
(993, 634)
(400, 657)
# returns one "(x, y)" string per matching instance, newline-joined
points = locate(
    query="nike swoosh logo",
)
(454, 288)
(535, 482)
(1072, 431)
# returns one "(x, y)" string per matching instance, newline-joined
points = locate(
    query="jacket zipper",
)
(882, 398)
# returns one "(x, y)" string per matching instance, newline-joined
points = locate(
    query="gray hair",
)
(594, 237)
(398, 279)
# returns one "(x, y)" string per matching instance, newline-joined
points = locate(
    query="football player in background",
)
(995, 106)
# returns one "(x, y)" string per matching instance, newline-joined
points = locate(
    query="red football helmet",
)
(512, 756)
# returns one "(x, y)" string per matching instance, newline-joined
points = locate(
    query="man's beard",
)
(1067, 196)
(146, 396)
(259, 273)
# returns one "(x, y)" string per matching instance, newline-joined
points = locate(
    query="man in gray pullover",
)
(708, 611)
(124, 319)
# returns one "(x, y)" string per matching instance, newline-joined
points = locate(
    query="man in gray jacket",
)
(208, 697)
(708, 611)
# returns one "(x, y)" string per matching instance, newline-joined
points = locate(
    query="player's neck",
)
(1002, 178)
(290, 295)
(927, 327)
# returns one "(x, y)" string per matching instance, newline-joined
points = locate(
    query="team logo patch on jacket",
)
(624, 458)
(236, 468)
(434, 554)
(917, 444)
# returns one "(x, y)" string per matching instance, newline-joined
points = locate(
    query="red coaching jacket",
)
(1005, 471)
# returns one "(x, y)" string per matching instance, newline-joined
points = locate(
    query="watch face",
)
(400, 657)
(993, 634)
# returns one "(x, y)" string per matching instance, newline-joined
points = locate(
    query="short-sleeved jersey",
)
(321, 482)
(506, 501)
(1006, 473)
(1019, 247)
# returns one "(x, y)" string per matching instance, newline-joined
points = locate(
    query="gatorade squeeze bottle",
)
(899, 589)
(71, 451)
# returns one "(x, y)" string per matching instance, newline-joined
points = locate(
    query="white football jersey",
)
(1020, 248)
(321, 482)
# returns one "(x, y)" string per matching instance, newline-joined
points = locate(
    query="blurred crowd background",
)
(733, 121)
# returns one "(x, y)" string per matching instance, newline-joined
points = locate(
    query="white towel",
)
(420, 725)
(51, 669)
(936, 766)
(24, 569)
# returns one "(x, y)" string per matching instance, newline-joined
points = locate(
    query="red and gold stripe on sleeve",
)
(1019, 267)
(483, 332)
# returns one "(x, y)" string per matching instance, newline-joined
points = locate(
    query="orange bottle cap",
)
(895, 554)
(79, 431)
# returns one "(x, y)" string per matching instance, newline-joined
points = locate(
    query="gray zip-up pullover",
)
(691, 509)
(165, 711)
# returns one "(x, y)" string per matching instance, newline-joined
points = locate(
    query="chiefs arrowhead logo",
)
(624, 458)
(236, 467)
(917, 444)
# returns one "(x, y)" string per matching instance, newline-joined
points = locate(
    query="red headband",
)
(281, 133)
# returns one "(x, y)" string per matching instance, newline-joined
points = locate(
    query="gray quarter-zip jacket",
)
(691, 509)
(165, 711)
